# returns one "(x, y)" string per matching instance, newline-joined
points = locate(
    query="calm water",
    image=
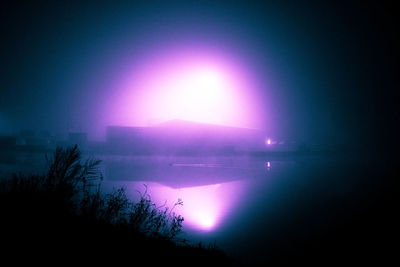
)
(248, 205)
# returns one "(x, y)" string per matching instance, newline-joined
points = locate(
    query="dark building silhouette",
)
(31, 139)
(182, 137)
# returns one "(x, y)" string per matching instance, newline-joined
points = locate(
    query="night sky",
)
(323, 71)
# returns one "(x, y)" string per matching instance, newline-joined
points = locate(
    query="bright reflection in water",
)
(268, 166)
(204, 207)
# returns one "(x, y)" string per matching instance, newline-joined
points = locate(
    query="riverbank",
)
(64, 214)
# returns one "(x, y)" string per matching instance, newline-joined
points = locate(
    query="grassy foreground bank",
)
(64, 214)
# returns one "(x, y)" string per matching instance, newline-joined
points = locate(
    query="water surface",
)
(250, 206)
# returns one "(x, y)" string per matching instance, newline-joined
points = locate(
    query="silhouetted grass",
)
(66, 205)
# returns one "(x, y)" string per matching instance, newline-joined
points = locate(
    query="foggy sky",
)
(328, 69)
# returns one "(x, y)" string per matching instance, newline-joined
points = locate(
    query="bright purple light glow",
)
(194, 85)
(268, 141)
(195, 93)
(204, 207)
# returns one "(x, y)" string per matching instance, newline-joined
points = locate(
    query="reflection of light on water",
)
(268, 166)
(204, 207)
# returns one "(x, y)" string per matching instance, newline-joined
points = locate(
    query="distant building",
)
(182, 137)
(30, 139)
(281, 146)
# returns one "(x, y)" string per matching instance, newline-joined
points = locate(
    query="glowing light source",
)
(268, 141)
(194, 86)
(197, 93)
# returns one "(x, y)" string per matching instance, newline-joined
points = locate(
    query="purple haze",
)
(204, 207)
(188, 83)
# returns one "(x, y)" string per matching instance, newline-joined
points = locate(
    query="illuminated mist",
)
(195, 85)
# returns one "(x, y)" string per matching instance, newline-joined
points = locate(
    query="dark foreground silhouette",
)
(62, 216)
